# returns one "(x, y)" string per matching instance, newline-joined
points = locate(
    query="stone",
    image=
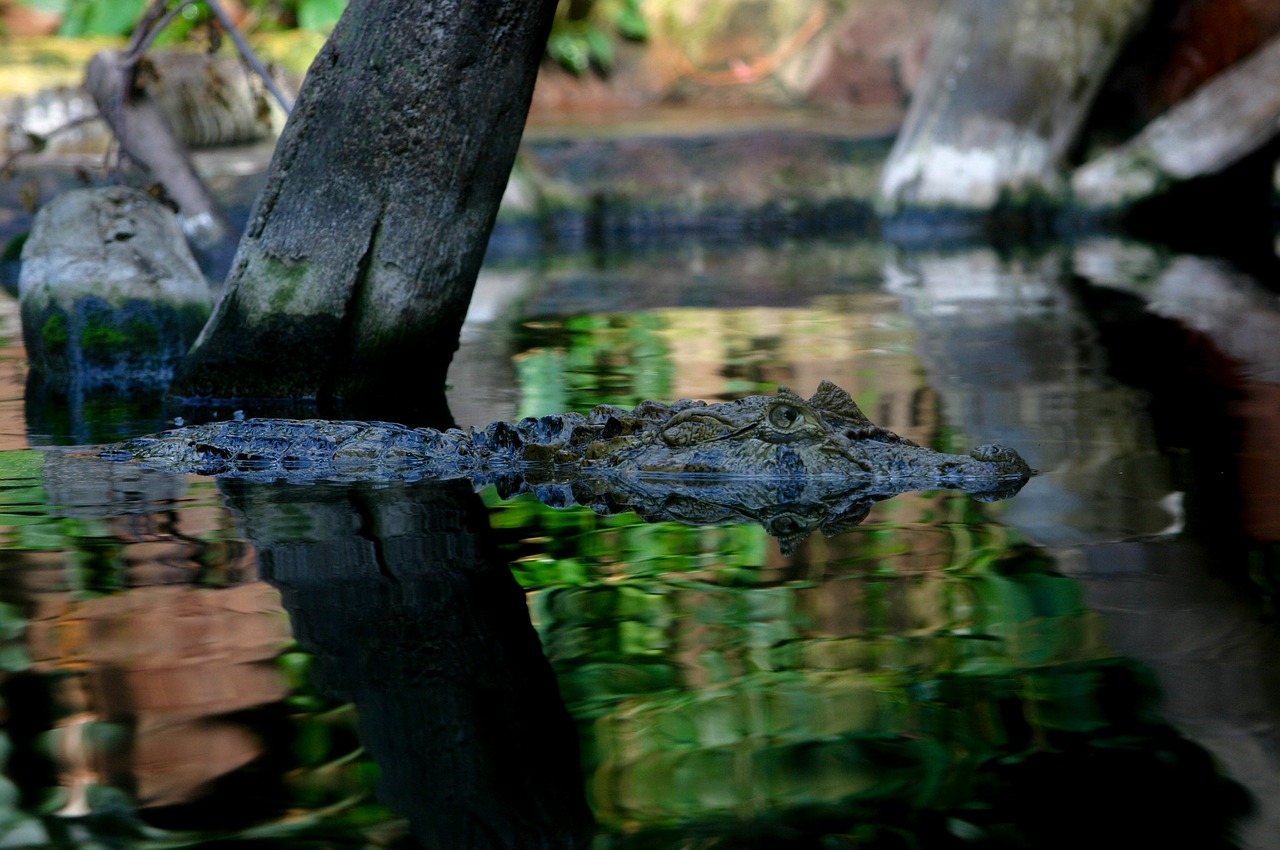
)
(110, 294)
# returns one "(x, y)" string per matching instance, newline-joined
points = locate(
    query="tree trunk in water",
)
(360, 255)
(409, 609)
(1005, 91)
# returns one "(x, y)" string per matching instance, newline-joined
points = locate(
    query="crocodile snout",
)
(1002, 455)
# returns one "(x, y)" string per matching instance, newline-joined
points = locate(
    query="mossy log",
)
(352, 279)
(1005, 91)
(111, 296)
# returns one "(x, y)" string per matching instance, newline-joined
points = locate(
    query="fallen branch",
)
(144, 134)
(741, 71)
(1234, 114)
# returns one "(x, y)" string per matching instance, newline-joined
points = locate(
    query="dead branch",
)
(141, 129)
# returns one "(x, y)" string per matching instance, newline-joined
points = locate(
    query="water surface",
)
(188, 661)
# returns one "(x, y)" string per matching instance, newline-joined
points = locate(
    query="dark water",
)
(1092, 663)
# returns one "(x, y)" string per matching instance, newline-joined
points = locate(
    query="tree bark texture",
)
(1006, 88)
(357, 264)
(1231, 116)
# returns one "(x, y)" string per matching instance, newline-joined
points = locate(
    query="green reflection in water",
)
(716, 683)
(907, 679)
(581, 361)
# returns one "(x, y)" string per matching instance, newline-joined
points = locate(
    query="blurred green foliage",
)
(584, 31)
(578, 362)
(318, 14)
(859, 695)
(117, 17)
(582, 36)
(94, 17)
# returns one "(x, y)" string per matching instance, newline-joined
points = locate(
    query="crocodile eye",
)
(784, 417)
(786, 525)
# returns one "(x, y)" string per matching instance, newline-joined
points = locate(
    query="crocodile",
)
(781, 437)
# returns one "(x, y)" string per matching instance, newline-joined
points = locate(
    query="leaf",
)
(631, 24)
(319, 14)
(99, 17)
(599, 46)
(57, 7)
(570, 51)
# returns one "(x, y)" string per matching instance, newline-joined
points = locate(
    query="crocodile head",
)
(785, 435)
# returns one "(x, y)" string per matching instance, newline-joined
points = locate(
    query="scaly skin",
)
(779, 437)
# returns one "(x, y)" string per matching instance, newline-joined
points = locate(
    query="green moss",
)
(99, 338)
(283, 295)
(54, 334)
(138, 331)
(288, 278)
(142, 327)
(141, 335)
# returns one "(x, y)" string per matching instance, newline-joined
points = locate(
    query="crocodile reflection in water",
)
(788, 463)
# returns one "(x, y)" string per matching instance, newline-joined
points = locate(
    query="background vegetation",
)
(582, 37)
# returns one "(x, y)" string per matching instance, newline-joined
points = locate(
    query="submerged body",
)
(782, 436)
(792, 465)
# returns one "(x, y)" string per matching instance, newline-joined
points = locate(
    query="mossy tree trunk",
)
(1005, 91)
(352, 279)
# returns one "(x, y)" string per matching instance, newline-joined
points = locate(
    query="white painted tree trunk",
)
(1007, 86)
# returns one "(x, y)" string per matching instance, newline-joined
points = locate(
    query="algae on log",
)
(1231, 116)
(1006, 88)
(355, 270)
(111, 296)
